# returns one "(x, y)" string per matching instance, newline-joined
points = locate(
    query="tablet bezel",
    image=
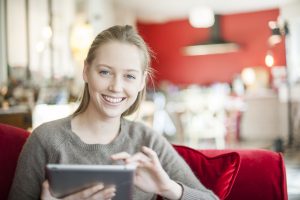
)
(65, 179)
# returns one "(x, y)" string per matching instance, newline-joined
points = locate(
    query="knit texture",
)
(54, 142)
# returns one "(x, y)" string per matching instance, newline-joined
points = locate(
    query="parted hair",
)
(124, 34)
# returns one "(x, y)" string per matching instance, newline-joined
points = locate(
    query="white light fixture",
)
(248, 76)
(201, 17)
(269, 59)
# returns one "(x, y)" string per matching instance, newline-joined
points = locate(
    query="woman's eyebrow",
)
(133, 70)
(110, 67)
(103, 65)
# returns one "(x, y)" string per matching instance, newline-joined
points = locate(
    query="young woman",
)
(115, 74)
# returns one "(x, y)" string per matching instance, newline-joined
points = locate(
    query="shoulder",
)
(53, 131)
(141, 133)
(55, 124)
(137, 128)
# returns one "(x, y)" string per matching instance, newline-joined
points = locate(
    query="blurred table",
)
(19, 116)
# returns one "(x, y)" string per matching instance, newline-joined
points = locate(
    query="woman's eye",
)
(104, 72)
(129, 76)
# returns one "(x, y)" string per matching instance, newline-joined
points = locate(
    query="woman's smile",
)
(113, 100)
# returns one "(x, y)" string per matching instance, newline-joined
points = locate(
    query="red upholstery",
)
(216, 172)
(261, 173)
(11, 142)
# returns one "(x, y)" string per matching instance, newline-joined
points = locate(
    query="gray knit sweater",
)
(54, 142)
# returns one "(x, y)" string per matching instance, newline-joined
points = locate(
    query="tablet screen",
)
(68, 179)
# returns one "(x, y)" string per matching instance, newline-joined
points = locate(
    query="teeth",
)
(113, 99)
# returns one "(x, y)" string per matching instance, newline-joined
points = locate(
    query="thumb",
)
(45, 195)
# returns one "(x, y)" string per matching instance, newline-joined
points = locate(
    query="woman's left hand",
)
(150, 176)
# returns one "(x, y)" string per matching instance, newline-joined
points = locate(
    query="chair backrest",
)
(12, 140)
(261, 175)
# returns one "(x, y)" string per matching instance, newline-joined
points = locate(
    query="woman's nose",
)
(116, 84)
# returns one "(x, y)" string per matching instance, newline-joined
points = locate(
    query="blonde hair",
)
(124, 34)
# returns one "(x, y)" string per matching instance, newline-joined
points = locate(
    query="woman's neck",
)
(92, 129)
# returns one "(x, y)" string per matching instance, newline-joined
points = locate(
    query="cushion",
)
(261, 175)
(11, 142)
(217, 173)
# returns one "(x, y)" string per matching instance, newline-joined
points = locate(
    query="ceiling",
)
(166, 10)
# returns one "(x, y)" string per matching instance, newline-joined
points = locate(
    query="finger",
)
(106, 193)
(138, 158)
(150, 153)
(121, 155)
(45, 191)
(46, 195)
(87, 192)
(45, 184)
(109, 193)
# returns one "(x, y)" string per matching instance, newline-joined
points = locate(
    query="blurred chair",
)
(11, 141)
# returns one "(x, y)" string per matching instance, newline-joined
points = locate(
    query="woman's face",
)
(114, 78)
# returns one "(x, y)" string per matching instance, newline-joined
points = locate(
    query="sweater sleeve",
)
(30, 172)
(179, 171)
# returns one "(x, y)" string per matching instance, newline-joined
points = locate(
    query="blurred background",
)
(227, 72)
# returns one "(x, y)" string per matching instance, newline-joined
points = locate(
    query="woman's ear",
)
(85, 71)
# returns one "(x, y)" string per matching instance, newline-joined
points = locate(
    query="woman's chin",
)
(112, 113)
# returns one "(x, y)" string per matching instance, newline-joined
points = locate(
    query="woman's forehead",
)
(117, 54)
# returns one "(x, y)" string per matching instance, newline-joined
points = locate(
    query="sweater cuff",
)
(194, 194)
(181, 185)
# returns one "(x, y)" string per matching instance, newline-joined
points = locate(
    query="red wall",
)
(250, 30)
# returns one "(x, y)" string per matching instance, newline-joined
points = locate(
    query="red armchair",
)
(231, 174)
(239, 174)
(11, 142)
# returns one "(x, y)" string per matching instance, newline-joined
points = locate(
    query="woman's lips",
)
(113, 100)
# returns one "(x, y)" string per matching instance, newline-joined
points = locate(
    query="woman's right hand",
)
(97, 192)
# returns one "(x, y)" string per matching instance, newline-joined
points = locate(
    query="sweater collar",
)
(74, 138)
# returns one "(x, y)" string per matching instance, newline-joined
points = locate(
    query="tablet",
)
(68, 179)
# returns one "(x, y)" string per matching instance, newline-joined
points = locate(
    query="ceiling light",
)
(201, 17)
